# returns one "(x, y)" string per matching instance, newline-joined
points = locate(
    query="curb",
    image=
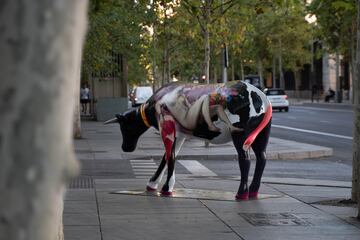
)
(325, 152)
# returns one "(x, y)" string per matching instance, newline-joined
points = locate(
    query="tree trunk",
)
(242, 69)
(163, 77)
(214, 75)
(154, 53)
(207, 41)
(337, 70)
(77, 118)
(124, 79)
(260, 71)
(207, 56)
(297, 83)
(39, 42)
(168, 68)
(352, 66)
(232, 69)
(356, 142)
(281, 73)
(274, 72)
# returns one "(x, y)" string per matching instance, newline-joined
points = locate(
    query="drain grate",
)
(81, 183)
(274, 219)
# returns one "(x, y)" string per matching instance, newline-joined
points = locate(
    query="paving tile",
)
(81, 219)
(82, 233)
(80, 207)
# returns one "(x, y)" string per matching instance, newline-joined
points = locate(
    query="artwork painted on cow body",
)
(180, 111)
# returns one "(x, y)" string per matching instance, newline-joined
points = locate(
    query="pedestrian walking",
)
(84, 98)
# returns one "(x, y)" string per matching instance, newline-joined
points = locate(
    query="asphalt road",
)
(325, 125)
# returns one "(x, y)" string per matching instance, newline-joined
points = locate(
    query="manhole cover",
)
(81, 183)
(274, 219)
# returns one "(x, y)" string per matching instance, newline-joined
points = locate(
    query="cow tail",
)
(252, 136)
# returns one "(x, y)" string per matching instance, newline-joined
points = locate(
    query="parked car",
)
(254, 80)
(278, 98)
(140, 95)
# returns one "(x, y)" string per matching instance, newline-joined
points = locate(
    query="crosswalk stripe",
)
(143, 168)
(143, 161)
(196, 168)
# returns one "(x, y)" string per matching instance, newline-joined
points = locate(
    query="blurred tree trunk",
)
(281, 73)
(337, 70)
(206, 31)
(297, 76)
(260, 71)
(39, 42)
(124, 79)
(273, 75)
(356, 142)
(77, 118)
(242, 69)
(232, 69)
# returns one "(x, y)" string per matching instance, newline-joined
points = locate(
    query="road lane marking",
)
(196, 168)
(313, 132)
(321, 109)
(325, 121)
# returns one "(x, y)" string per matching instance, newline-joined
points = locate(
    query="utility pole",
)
(224, 63)
(224, 55)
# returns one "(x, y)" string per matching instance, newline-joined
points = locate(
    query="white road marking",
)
(196, 168)
(313, 132)
(141, 161)
(143, 164)
(143, 168)
(322, 109)
(325, 121)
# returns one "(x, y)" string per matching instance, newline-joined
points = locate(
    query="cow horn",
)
(113, 120)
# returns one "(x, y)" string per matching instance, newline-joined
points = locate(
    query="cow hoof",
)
(243, 196)
(253, 195)
(166, 194)
(150, 189)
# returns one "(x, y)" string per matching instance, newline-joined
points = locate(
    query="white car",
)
(278, 98)
(140, 95)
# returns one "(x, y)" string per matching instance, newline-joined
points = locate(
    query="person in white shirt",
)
(84, 98)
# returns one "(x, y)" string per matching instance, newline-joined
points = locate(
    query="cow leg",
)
(153, 183)
(259, 147)
(168, 187)
(156, 178)
(244, 165)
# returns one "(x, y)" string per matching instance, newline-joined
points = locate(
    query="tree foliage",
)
(161, 35)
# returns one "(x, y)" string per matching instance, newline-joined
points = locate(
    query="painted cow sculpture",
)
(180, 111)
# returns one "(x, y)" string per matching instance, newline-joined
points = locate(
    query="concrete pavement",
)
(290, 208)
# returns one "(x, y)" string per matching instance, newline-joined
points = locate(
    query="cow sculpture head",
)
(131, 126)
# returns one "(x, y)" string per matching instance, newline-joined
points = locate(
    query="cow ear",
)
(121, 118)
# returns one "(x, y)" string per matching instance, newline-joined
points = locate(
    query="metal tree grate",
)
(274, 219)
(81, 183)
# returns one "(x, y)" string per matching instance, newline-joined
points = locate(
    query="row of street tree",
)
(162, 39)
